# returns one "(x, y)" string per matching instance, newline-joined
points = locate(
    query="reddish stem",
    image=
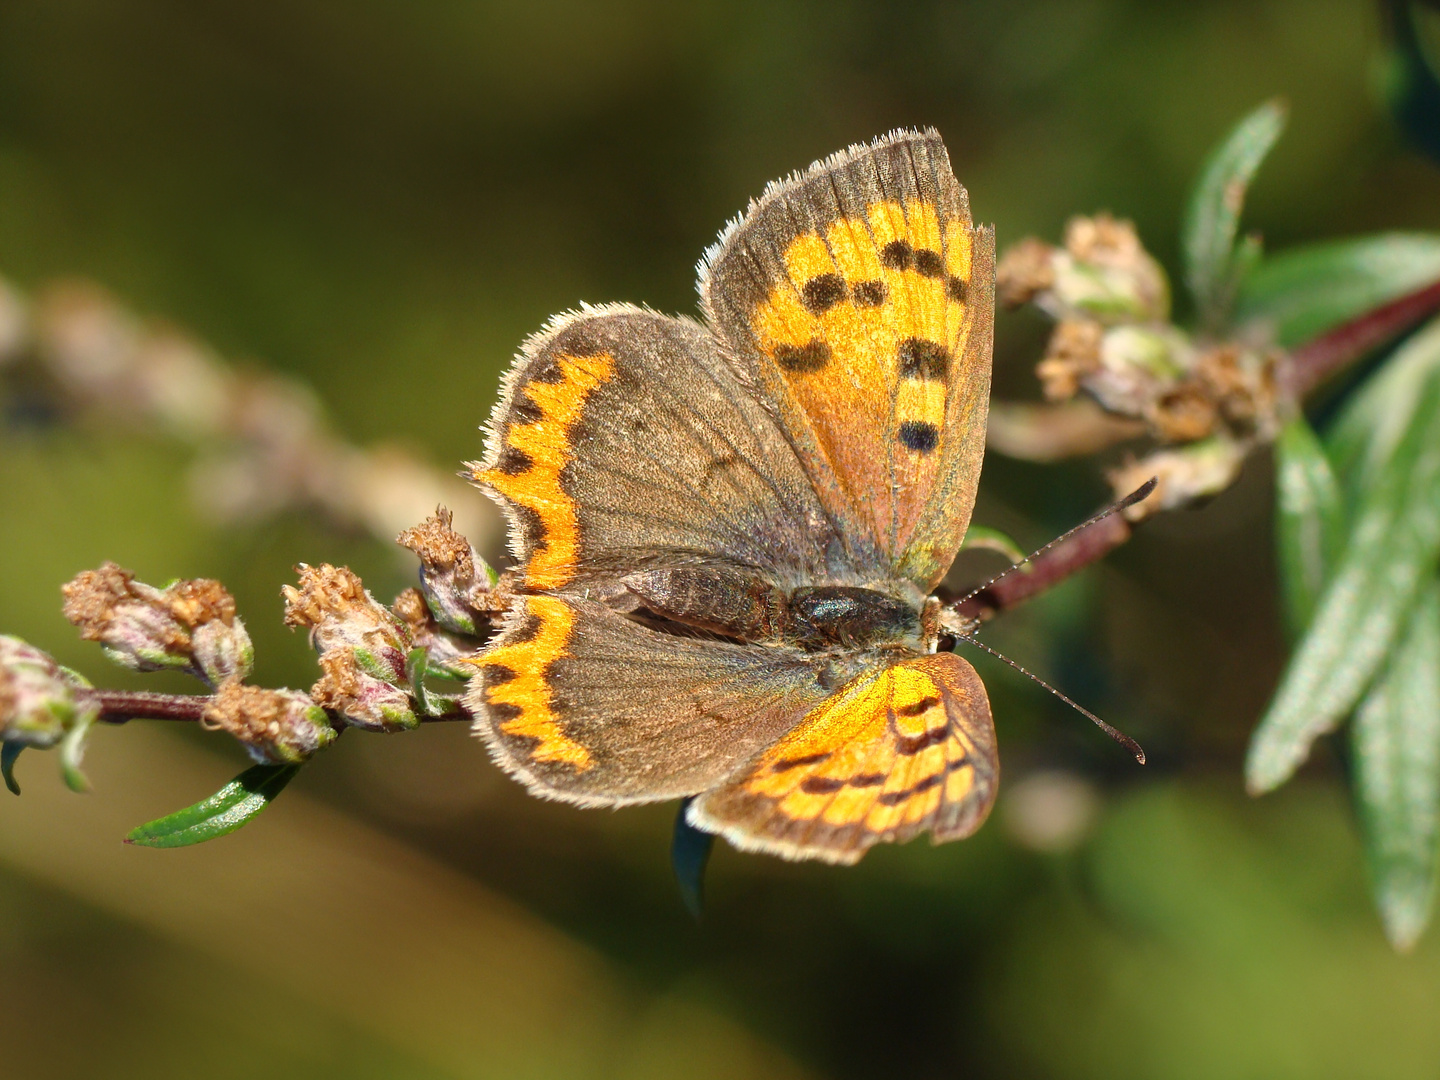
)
(1076, 552)
(1315, 361)
(121, 706)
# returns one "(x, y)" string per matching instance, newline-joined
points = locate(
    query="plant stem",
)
(122, 706)
(1315, 361)
(1074, 553)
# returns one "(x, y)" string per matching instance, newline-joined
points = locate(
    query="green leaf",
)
(234, 805)
(1391, 549)
(8, 753)
(1213, 215)
(72, 749)
(1396, 739)
(1307, 291)
(1310, 521)
(1364, 436)
(978, 536)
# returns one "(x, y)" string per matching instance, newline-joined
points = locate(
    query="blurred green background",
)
(383, 199)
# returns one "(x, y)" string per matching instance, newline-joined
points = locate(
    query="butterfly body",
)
(727, 533)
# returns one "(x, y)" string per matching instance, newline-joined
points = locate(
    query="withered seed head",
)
(188, 626)
(276, 727)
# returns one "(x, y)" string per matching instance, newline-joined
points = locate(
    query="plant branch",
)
(122, 706)
(1315, 361)
(1052, 566)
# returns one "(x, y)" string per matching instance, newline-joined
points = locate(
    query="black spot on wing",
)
(895, 798)
(928, 263)
(812, 356)
(822, 293)
(820, 785)
(919, 435)
(523, 410)
(870, 293)
(898, 255)
(513, 461)
(955, 288)
(786, 764)
(925, 704)
(496, 674)
(921, 359)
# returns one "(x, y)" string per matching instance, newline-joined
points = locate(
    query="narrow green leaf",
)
(978, 536)
(8, 753)
(1306, 291)
(1309, 521)
(1213, 215)
(234, 805)
(1391, 550)
(72, 750)
(1396, 739)
(1364, 436)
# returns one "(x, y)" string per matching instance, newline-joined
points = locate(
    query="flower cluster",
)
(364, 648)
(1207, 402)
(187, 626)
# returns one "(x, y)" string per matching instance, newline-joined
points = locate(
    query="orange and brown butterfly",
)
(728, 531)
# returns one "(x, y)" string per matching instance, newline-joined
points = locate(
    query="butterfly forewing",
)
(857, 296)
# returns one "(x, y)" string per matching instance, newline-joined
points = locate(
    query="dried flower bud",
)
(1186, 474)
(364, 649)
(276, 727)
(445, 653)
(457, 583)
(1137, 365)
(1072, 354)
(1024, 272)
(363, 700)
(188, 626)
(42, 704)
(342, 616)
(1185, 414)
(39, 699)
(1105, 272)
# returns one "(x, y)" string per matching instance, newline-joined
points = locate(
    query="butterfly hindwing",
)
(858, 297)
(900, 750)
(588, 706)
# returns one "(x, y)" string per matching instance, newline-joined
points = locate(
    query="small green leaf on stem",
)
(1397, 777)
(9, 752)
(72, 749)
(1212, 217)
(1310, 521)
(234, 805)
(1391, 551)
(978, 536)
(1307, 291)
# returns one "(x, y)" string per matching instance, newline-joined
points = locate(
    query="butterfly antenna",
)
(1114, 733)
(1114, 508)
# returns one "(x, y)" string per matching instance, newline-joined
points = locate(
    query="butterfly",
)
(728, 532)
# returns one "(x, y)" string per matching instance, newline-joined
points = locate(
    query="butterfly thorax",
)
(745, 606)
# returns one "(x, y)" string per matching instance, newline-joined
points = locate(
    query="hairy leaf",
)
(1397, 776)
(234, 805)
(1213, 214)
(1306, 291)
(1309, 521)
(1391, 550)
(1364, 436)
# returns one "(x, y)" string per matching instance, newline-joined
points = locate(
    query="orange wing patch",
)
(514, 680)
(537, 448)
(887, 757)
(867, 331)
